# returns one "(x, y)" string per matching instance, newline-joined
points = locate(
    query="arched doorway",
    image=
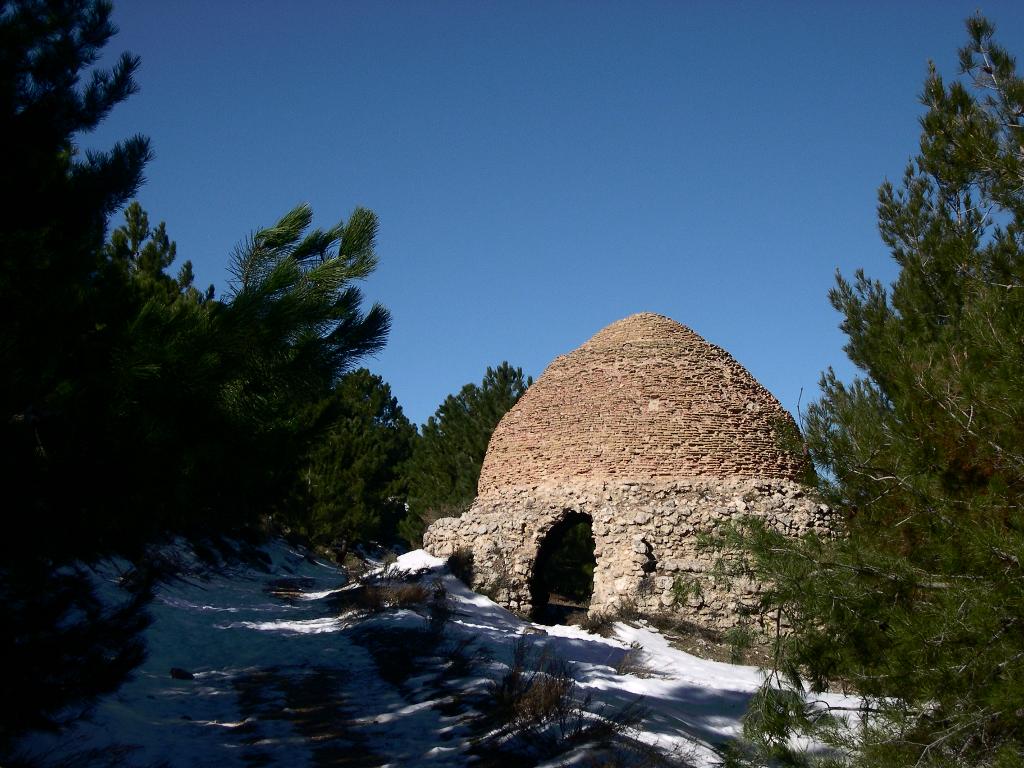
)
(563, 574)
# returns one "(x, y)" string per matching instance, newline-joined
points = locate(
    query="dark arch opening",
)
(563, 574)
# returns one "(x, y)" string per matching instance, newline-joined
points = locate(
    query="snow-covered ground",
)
(286, 672)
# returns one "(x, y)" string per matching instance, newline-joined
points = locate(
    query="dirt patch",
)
(289, 588)
(560, 609)
(710, 644)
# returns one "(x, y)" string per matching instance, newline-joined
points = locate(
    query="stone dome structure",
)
(651, 435)
(646, 399)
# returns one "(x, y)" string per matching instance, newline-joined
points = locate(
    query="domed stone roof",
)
(646, 399)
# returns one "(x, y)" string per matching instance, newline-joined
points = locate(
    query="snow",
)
(418, 560)
(285, 672)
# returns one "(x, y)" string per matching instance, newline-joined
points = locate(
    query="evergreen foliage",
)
(133, 405)
(352, 487)
(141, 254)
(57, 302)
(447, 457)
(57, 309)
(918, 604)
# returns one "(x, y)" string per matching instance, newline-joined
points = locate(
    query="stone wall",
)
(645, 535)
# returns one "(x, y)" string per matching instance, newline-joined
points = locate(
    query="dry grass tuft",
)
(633, 663)
(379, 598)
(536, 710)
(600, 623)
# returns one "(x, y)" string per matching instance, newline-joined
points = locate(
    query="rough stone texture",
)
(636, 525)
(644, 399)
(655, 434)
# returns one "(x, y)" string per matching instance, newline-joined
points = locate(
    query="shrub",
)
(599, 622)
(377, 598)
(536, 708)
(632, 662)
(740, 640)
(535, 693)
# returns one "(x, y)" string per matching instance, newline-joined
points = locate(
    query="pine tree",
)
(352, 488)
(918, 604)
(54, 302)
(57, 309)
(142, 254)
(449, 452)
(218, 388)
(132, 406)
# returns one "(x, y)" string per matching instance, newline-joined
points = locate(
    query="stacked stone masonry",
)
(657, 436)
(633, 524)
(644, 399)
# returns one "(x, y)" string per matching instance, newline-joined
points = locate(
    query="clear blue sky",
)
(541, 170)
